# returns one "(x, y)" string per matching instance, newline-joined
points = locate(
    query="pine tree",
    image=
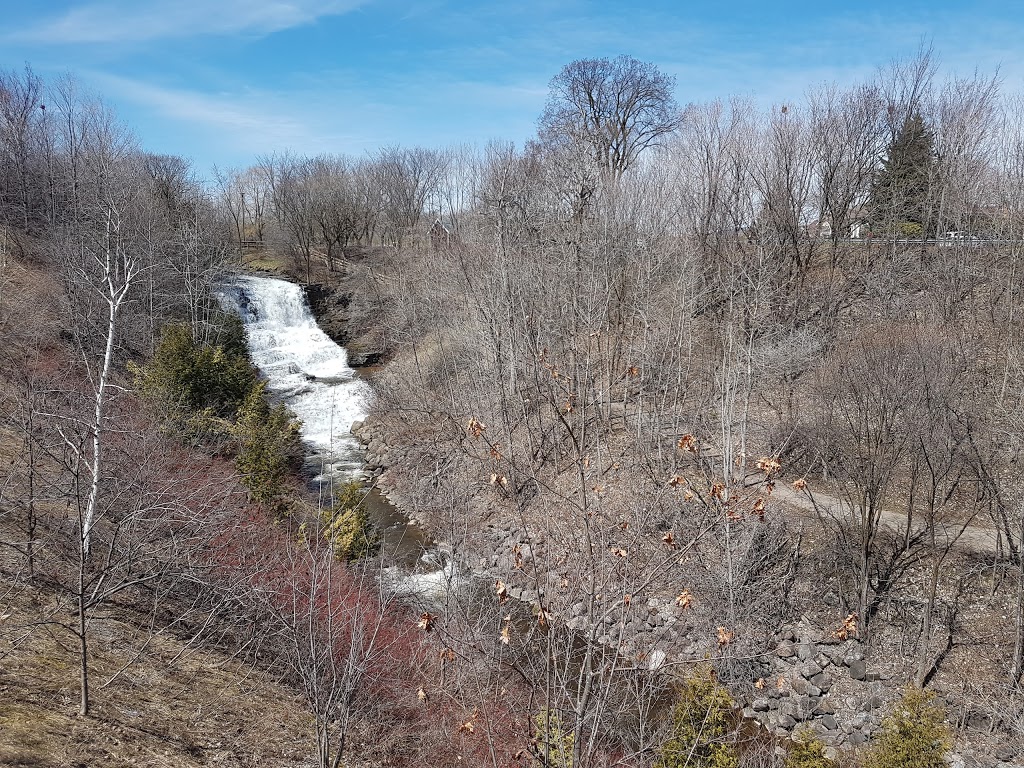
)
(900, 204)
(347, 525)
(267, 439)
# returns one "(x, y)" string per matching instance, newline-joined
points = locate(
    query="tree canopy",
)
(614, 108)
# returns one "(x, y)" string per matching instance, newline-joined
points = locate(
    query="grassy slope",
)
(166, 708)
(201, 708)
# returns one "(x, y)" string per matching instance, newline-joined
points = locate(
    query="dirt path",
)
(976, 538)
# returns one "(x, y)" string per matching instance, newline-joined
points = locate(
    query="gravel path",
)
(977, 538)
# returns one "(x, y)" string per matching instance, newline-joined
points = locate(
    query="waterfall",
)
(304, 369)
(310, 374)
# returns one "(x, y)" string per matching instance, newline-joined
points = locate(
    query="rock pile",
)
(826, 686)
(809, 680)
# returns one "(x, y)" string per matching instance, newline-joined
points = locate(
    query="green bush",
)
(702, 733)
(552, 745)
(195, 378)
(910, 230)
(913, 735)
(268, 441)
(807, 751)
(346, 525)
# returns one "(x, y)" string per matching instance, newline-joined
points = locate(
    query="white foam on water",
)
(304, 368)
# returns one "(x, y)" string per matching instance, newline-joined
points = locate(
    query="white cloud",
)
(110, 21)
(246, 119)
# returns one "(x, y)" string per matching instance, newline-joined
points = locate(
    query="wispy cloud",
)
(109, 21)
(244, 119)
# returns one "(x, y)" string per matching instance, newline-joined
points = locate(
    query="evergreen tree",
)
(347, 524)
(900, 203)
(268, 440)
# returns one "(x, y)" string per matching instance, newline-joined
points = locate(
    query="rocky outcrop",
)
(346, 320)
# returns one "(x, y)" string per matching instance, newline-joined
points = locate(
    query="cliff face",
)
(349, 309)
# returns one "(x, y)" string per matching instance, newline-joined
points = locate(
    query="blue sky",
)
(222, 81)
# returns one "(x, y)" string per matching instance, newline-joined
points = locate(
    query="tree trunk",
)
(83, 642)
(1017, 667)
(926, 629)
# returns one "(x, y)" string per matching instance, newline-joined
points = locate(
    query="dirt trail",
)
(976, 538)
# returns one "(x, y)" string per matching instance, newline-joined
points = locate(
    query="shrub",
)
(910, 230)
(702, 731)
(807, 751)
(552, 745)
(913, 735)
(268, 440)
(346, 526)
(196, 378)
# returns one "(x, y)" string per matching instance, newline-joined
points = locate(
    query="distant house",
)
(820, 230)
(441, 236)
(859, 229)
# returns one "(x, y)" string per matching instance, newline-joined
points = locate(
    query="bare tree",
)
(616, 108)
(21, 140)
(409, 180)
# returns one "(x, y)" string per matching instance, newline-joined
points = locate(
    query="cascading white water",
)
(303, 367)
(308, 372)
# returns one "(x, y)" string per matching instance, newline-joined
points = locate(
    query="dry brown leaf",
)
(758, 508)
(847, 629)
(725, 636)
